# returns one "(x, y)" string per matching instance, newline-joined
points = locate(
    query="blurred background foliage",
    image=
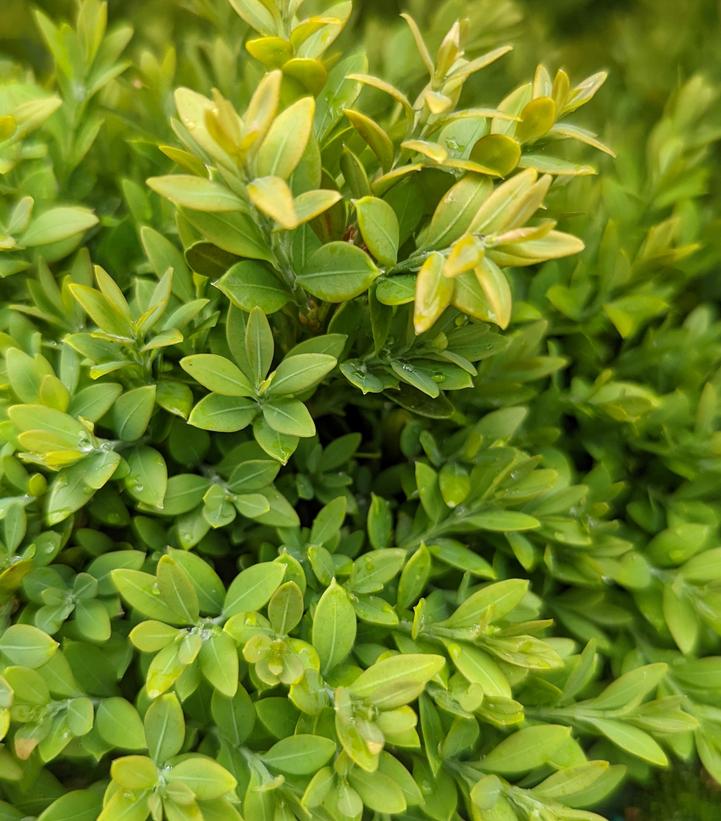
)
(649, 47)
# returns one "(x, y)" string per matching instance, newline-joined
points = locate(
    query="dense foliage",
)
(361, 446)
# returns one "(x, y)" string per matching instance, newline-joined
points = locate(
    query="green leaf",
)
(128, 806)
(219, 663)
(205, 777)
(134, 772)
(209, 260)
(300, 754)
(164, 728)
(704, 567)
(223, 414)
(177, 590)
(252, 588)
(456, 555)
(378, 791)
(497, 291)
(570, 780)
(142, 592)
(57, 224)
(164, 256)
(318, 788)
(77, 805)
(256, 15)
(479, 668)
(235, 233)
(234, 717)
(378, 140)
(27, 646)
(503, 520)
(554, 245)
(217, 374)
(396, 290)
(278, 445)
(95, 401)
(285, 608)
(555, 165)
(379, 227)
(103, 313)
(498, 152)
(289, 417)
(500, 206)
(627, 691)
(286, 141)
(375, 610)
(536, 120)
(14, 527)
(632, 739)
(196, 193)
(273, 197)
(311, 204)
(630, 313)
(681, 618)
(584, 91)
(526, 749)
(208, 585)
(132, 412)
(433, 293)
(374, 570)
(151, 636)
(709, 753)
(329, 521)
(414, 577)
(334, 627)
(429, 492)
(456, 211)
(92, 620)
(259, 345)
(253, 474)
(251, 284)
(340, 91)
(148, 477)
(468, 297)
(39, 417)
(271, 51)
(496, 600)
(397, 680)
(300, 372)
(337, 272)
(119, 724)
(167, 666)
(380, 522)
(25, 373)
(676, 544)
(75, 486)
(455, 484)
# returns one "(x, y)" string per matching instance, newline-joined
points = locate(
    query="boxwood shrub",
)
(360, 442)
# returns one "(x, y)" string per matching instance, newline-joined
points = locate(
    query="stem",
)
(413, 263)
